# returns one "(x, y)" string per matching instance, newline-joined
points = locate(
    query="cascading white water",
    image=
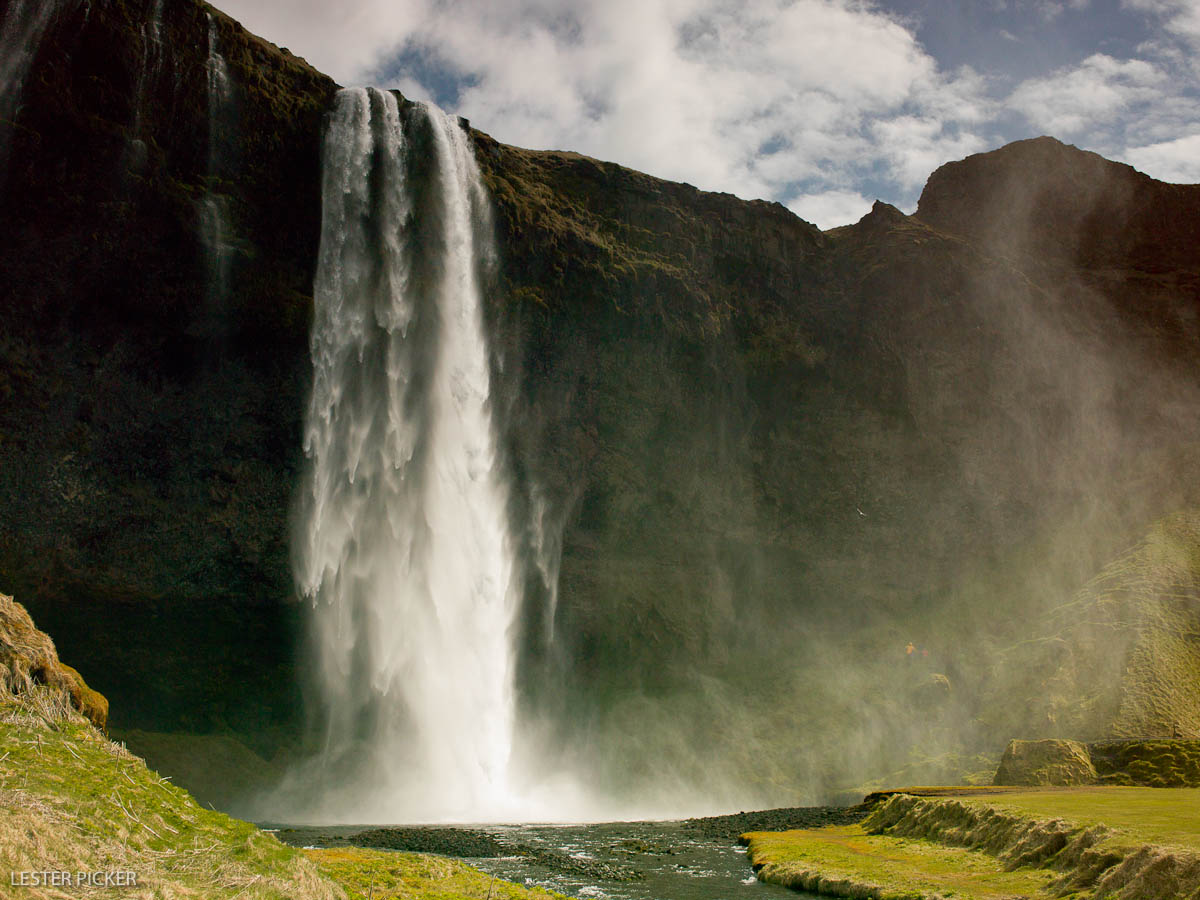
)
(20, 36)
(152, 54)
(217, 76)
(214, 213)
(148, 70)
(403, 542)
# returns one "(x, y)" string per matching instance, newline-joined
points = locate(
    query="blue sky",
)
(823, 105)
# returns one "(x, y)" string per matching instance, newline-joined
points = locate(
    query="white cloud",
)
(916, 145)
(1175, 161)
(1094, 93)
(830, 209)
(749, 97)
(1181, 17)
(753, 97)
(341, 39)
(763, 98)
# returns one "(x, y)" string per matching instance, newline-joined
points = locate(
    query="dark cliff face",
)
(779, 451)
(150, 434)
(755, 460)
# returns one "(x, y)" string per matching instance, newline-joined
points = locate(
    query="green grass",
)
(897, 867)
(72, 800)
(1146, 846)
(388, 875)
(1168, 817)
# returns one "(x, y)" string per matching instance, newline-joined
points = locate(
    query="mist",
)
(828, 545)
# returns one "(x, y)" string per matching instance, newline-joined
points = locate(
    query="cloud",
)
(1078, 100)
(1052, 9)
(763, 98)
(1141, 109)
(808, 102)
(916, 145)
(1180, 17)
(341, 39)
(830, 209)
(1176, 161)
(757, 98)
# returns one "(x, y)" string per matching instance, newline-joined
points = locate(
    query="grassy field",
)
(846, 861)
(1168, 817)
(1131, 843)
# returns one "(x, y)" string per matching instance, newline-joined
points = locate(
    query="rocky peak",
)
(1044, 197)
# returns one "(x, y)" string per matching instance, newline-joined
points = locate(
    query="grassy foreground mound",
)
(82, 817)
(71, 801)
(1094, 842)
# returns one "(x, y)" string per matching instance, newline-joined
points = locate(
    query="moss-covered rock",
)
(1162, 763)
(28, 659)
(1046, 762)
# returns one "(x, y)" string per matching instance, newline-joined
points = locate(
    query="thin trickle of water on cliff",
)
(148, 69)
(547, 553)
(214, 212)
(20, 36)
(403, 544)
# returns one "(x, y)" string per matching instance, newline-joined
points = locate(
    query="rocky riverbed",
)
(696, 859)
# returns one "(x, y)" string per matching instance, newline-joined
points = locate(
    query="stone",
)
(1047, 762)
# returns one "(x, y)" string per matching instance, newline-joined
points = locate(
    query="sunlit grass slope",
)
(73, 801)
(846, 861)
(1168, 817)
(1107, 843)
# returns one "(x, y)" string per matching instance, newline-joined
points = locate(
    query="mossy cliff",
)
(1121, 657)
(749, 455)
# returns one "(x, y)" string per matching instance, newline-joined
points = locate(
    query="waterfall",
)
(148, 69)
(214, 208)
(403, 543)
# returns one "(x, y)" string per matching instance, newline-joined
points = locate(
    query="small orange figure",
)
(908, 651)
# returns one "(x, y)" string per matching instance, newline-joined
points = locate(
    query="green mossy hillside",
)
(71, 800)
(1163, 764)
(218, 770)
(1121, 658)
(28, 658)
